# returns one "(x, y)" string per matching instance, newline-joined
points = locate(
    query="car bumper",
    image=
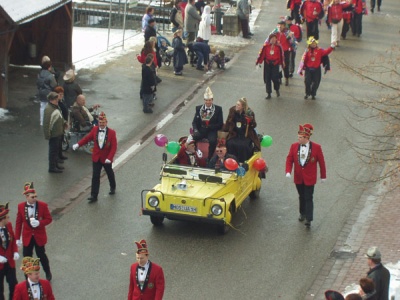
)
(173, 216)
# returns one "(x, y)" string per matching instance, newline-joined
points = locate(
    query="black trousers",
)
(292, 61)
(11, 277)
(54, 151)
(271, 73)
(97, 166)
(356, 24)
(373, 3)
(287, 63)
(40, 253)
(211, 136)
(312, 79)
(306, 204)
(345, 29)
(245, 27)
(312, 29)
(295, 14)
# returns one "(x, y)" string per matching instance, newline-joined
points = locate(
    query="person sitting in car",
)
(189, 155)
(82, 115)
(218, 160)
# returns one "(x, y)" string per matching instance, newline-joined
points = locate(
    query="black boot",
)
(269, 96)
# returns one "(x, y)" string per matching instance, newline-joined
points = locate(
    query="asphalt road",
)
(270, 255)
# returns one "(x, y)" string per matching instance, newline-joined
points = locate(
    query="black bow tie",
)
(101, 130)
(31, 206)
(304, 145)
(141, 268)
(35, 284)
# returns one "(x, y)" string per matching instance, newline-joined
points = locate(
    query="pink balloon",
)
(160, 140)
(191, 130)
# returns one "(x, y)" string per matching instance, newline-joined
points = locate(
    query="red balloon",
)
(231, 164)
(259, 164)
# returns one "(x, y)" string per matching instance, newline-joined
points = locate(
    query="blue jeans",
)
(147, 99)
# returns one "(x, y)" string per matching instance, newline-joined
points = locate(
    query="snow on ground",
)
(4, 115)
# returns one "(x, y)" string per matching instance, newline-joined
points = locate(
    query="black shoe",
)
(63, 157)
(151, 104)
(92, 199)
(60, 161)
(278, 94)
(112, 192)
(302, 218)
(269, 96)
(358, 35)
(178, 73)
(306, 97)
(291, 75)
(379, 8)
(313, 97)
(251, 34)
(200, 68)
(60, 167)
(158, 79)
(49, 276)
(286, 81)
(307, 224)
(148, 111)
(55, 170)
(372, 10)
(247, 37)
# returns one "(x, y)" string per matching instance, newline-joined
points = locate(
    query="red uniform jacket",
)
(21, 290)
(292, 3)
(154, 285)
(359, 6)
(11, 247)
(184, 159)
(335, 11)
(296, 29)
(312, 10)
(306, 174)
(313, 56)
(266, 55)
(109, 145)
(22, 224)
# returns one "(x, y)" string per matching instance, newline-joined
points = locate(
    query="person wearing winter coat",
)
(180, 58)
(192, 20)
(243, 12)
(71, 88)
(149, 14)
(335, 19)
(46, 82)
(202, 50)
(359, 9)
(312, 11)
(205, 25)
(271, 54)
(378, 273)
(176, 17)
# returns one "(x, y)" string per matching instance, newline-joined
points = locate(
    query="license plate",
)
(183, 208)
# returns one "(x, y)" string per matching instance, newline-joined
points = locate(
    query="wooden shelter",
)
(30, 29)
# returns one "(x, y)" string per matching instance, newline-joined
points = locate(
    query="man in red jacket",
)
(312, 11)
(304, 156)
(32, 218)
(33, 287)
(105, 146)
(147, 278)
(8, 253)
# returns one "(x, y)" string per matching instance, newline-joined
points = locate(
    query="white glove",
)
(333, 45)
(199, 153)
(3, 260)
(75, 146)
(288, 175)
(323, 180)
(107, 161)
(16, 256)
(35, 223)
(19, 243)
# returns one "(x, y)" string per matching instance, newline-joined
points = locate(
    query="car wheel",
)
(156, 221)
(222, 229)
(254, 194)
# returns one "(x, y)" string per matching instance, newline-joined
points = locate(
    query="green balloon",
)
(266, 141)
(173, 147)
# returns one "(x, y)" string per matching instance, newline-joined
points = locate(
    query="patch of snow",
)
(4, 115)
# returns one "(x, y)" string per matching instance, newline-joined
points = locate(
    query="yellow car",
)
(200, 194)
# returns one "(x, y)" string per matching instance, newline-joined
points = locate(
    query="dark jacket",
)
(149, 32)
(148, 80)
(71, 91)
(45, 83)
(203, 48)
(381, 277)
(53, 121)
(215, 123)
(180, 57)
(213, 161)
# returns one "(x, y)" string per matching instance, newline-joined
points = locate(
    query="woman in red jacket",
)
(356, 26)
(311, 64)
(335, 19)
(271, 54)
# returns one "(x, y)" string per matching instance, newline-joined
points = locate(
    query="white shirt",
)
(101, 136)
(31, 210)
(35, 289)
(142, 273)
(304, 153)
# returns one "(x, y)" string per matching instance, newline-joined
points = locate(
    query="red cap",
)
(306, 130)
(102, 116)
(142, 247)
(4, 211)
(28, 188)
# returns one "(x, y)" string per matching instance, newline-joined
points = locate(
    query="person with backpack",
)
(298, 35)
(176, 17)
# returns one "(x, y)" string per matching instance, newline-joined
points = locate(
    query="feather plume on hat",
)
(208, 94)
(28, 188)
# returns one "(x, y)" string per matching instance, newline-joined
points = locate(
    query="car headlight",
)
(153, 201)
(216, 210)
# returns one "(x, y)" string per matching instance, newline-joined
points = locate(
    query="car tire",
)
(254, 194)
(156, 221)
(223, 229)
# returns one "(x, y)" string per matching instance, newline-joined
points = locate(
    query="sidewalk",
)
(373, 222)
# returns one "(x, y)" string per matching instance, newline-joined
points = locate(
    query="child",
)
(217, 56)
(148, 84)
(180, 58)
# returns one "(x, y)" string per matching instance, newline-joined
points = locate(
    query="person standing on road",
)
(243, 12)
(304, 156)
(146, 278)
(180, 57)
(356, 21)
(32, 218)
(149, 14)
(33, 287)
(335, 19)
(208, 119)
(71, 88)
(8, 253)
(191, 21)
(45, 83)
(378, 273)
(373, 5)
(176, 17)
(312, 11)
(205, 24)
(148, 84)
(271, 54)
(53, 129)
(105, 146)
(150, 30)
(311, 63)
